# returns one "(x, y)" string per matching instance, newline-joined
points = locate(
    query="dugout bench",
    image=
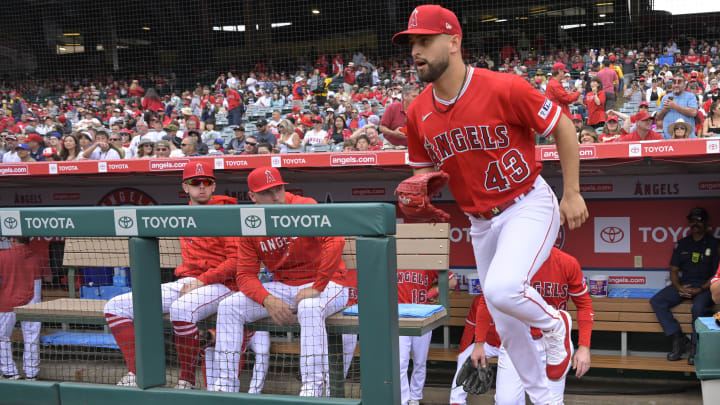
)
(419, 247)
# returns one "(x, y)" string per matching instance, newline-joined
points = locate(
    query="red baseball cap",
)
(576, 117)
(613, 118)
(644, 103)
(306, 121)
(33, 137)
(560, 66)
(264, 178)
(296, 108)
(49, 152)
(429, 19)
(198, 169)
(641, 116)
(612, 58)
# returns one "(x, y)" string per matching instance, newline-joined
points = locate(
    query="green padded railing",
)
(376, 261)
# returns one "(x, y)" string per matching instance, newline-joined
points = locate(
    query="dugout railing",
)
(372, 224)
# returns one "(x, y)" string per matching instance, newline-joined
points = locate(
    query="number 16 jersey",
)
(486, 141)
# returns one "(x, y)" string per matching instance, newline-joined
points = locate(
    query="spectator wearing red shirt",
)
(234, 105)
(595, 103)
(395, 117)
(556, 92)
(609, 79)
(692, 58)
(135, 90)
(644, 131)
(152, 102)
(349, 77)
(337, 65)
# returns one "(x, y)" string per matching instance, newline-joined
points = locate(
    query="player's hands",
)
(478, 355)
(279, 310)
(573, 210)
(307, 292)
(581, 361)
(189, 286)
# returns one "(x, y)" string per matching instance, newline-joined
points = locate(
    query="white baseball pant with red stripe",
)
(237, 310)
(259, 343)
(509, 250)
(31, 339)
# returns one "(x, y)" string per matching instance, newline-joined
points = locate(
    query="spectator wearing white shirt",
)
(316, 134)
(231, 81)
(157, 132)
(10, 141)
(264, 100)
(116, 116)
(101, 149)
(250, 83)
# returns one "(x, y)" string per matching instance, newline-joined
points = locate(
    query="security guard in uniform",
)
(693, 264)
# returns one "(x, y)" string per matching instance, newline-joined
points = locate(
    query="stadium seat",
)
(320, 147)
(338, 147)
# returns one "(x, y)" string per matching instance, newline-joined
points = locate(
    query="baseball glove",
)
(414, 197)
(475, 380)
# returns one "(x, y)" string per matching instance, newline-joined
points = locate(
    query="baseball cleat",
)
(11, 377)
(30, 378)
(184, 385)
(128, 380)
(558, 348)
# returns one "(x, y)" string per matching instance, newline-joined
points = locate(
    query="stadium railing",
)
(372, 225)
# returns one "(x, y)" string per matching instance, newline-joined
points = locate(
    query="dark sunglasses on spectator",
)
(184, 144)
(204, 181)
(114, 139)
(250, 143)
(147, 144)
(161, 149)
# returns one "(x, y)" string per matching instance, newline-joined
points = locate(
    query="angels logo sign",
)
(413, 19)
(126, 196)
(269, 177)
(199, 170)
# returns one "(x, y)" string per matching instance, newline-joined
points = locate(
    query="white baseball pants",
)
(457, 393)
(259, 343)
(508, 387)
(191, 307)
(237, 310)
(418, 347)
(509, 250)
(31, 339)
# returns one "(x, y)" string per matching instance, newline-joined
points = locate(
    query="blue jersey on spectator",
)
(686, 99)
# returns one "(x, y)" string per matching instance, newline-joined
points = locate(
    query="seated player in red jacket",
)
(309, 277)
(206, 275)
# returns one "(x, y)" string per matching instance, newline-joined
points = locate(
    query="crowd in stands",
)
(350, 105)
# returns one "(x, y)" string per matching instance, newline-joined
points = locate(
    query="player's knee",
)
(309, 309)
(232, 306)
(178, 313)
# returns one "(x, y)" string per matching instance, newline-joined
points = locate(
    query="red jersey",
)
(413, 285)
(292, 260)
(19, 268)
(560, 278)
(486, 142)
(557, 94)
(479, 326)
(596, 113)
(716, 278)
(635, 137)
(211, 260)
(233, 99)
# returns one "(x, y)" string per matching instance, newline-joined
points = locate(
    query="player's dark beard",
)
(434, 70)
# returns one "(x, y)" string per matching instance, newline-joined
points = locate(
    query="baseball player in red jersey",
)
(206, 276)
(715, 287)
(415, 287)
(308, 275)
(479, 127)
(20, 284)
(559, 278)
